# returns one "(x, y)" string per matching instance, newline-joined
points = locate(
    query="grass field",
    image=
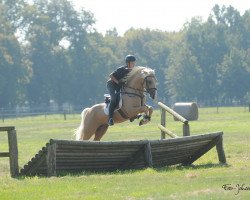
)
(205, 180)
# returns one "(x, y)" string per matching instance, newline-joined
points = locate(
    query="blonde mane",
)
(143, 71)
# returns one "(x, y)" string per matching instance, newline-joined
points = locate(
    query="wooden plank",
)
(186, 131)
(137, 155)
(97, 150)
(61, 157)
(173, 152)
(117, 163)
(148, 155)
(186, 139)
(163, 122)
(95, 143)
(13, 151)
(220, 150)
(94, 147)
(51, 160)
(7, 128)
(166, 131)
(4, 154)
(202, 151)
(80, 169)
(90, 163)
(87, 154)
(174, 155)
(172, 112)
(93, 159)
(179, 147)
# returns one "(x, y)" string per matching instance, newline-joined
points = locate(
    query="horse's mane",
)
(143, 71)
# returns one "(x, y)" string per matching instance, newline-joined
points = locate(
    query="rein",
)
(142, 91)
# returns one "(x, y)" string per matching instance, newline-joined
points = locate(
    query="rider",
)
(114, 84)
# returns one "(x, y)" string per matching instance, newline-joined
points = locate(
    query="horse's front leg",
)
(147, 117)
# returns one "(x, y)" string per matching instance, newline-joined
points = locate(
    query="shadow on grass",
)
(188, 167)
(131, 171)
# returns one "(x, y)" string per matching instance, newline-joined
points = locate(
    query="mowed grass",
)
(204, 180)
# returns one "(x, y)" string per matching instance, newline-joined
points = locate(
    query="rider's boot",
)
(111, 122)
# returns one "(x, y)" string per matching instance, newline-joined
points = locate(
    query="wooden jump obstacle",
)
(162, 127)
(65, 156)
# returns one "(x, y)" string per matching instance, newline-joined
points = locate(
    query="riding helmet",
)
(130, 58)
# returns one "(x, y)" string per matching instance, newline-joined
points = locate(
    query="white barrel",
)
(188, 110)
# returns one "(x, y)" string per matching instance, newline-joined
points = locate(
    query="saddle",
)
(107, 99)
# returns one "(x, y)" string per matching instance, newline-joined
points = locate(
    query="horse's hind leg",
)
(101, 130)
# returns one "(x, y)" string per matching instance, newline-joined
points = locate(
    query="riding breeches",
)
(114, 90)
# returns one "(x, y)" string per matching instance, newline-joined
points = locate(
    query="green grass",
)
(202, 181)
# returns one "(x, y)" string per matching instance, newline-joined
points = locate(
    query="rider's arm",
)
(113, 78)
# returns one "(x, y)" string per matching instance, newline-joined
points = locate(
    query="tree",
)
(184, 75)
(207, 43)
(235, 74)
(49, 23)
(15, 70)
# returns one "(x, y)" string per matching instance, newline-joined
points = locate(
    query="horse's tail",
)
(79, 131)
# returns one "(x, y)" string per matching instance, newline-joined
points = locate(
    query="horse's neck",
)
(135, 84)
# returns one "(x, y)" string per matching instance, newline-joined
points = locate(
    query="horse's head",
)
(143, 78)
(149, 82)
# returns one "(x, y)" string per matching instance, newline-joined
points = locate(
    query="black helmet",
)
(130, 58)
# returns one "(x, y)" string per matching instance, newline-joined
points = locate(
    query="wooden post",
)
(249, 107)
(64, 114)
(186, 131)
(163, 122)
(51, 160)
(220, 151)
(148, 155)
(13, 153)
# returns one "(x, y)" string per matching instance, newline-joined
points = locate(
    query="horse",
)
(94, 120)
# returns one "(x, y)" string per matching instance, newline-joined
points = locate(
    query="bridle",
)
(147, 85)
(141, 92)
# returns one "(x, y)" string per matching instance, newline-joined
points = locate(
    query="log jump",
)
(66, 156)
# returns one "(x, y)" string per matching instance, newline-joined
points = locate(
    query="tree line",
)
(50, 51)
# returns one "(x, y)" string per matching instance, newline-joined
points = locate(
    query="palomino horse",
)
(138, 81)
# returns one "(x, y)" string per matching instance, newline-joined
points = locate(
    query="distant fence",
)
(45, 111)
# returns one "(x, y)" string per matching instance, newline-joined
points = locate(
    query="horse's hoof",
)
(138, 116)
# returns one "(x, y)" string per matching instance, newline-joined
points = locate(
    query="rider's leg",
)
(112, 91)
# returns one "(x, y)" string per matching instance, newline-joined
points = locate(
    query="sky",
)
(165, 15)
